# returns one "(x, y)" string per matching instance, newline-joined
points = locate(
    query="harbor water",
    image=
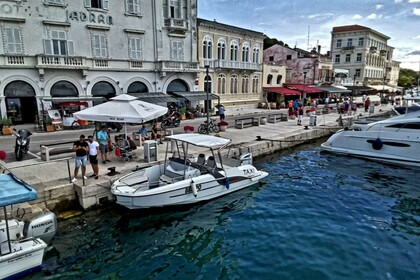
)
(317, 216)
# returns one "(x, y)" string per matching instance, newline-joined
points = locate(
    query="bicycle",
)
(212, 127)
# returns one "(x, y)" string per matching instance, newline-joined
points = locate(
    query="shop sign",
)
(89, 17)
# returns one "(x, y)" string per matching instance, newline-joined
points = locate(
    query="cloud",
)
(258, 9)
(321, 16)
(413, 1)
(374, 16)
(397, 1)
(416, 12)
(356, 16)
(414, 53)
(379, 6)
(417, 37)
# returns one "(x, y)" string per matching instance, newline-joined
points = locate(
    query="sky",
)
(295, 22)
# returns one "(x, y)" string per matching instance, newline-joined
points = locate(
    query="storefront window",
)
(21, 104)
(137, 87)
(103, 89)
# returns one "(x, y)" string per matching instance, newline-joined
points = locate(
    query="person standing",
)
(367, 104)
(103, 138)
(81, 148)
(300, 115)
(93, 156)
(222, 113)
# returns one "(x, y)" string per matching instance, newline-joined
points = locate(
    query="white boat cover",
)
(123, 108)
(200, 140)
(13, 190)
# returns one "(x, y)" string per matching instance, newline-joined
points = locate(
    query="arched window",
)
(221, 84)
(256, 54)
(177, 85)
(207, 83)
(221, 49)
(207, 47)
(234, 50)
(234, 83)
(103, 89)
(19, 89)
(245, 52)
(255, 84)
(137, 87)
(269, 79)
(64, 88)
(245, 84)
(279, 77)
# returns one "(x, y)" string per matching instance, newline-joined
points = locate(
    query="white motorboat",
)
(21, 246)
(184, 179)
(395, 140)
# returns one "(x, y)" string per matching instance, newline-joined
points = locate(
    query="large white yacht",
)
(395, 140)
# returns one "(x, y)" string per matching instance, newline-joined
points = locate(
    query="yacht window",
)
(406, 125)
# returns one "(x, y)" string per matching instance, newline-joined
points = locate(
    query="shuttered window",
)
(57, 44)
(177, 50)
(99, 4)
(13, 40)
(99, 46)
(135, 48)
(133, 6)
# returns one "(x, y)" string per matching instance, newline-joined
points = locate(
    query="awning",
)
(382, 87)
(74, 98)
(303, 88)
(282, 90)
(195, 95)
(153, 97)
(359, 88)
(331, 89)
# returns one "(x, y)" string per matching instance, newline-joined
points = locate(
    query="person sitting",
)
(143, 133)
(155, 133)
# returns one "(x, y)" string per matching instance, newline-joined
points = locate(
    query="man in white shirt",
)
(93, 155)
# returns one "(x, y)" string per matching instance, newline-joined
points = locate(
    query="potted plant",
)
(7, 123)
(48, 124)
(223, 125)
(182, 112)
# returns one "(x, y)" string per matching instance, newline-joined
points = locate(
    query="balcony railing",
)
(348, 48)
(15, 60)
(100, 63)
(176, 24)
(227, 64)
(61, 61)
(178, 66)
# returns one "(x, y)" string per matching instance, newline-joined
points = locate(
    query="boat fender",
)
(227, 183)
(377, 144)
(194, 188)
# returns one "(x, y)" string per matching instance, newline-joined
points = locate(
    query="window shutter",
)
(105, 4)
(96, 46)
(136, 6)
(130, 6)
(70, 48)
(48, 47)
(131, 48)
(88, 3)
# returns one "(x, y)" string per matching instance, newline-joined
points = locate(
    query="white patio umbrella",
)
(123, 108)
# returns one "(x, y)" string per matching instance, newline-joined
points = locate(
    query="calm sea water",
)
(317, 216)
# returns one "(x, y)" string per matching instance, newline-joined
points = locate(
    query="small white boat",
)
(184, 179)
(21, 243)
(395, 140)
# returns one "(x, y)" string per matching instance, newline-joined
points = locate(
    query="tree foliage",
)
(268, 42)
(407, 78)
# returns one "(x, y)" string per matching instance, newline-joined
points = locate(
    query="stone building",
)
(302, 67)
(55, 52)
(365, 53)
(234, 59)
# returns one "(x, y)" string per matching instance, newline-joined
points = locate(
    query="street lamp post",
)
(305, 71)
(207, 97)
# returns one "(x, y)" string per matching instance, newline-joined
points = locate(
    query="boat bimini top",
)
(200, 140)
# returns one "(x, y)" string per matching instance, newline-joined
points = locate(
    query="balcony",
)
(65, 62)
(178, 66)
(176, 24)
(14, 60)
(373, 49)
(348, 48)
(227, 64)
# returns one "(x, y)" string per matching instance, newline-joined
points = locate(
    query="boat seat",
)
(201, 160)
(211, 162)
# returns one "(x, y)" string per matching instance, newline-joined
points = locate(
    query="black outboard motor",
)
(22, 143)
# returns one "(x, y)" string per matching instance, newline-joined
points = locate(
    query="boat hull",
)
(26, 257)
(386, 147)
(181, 193)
